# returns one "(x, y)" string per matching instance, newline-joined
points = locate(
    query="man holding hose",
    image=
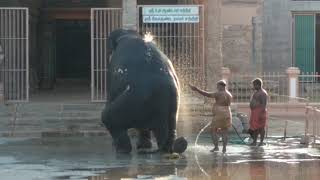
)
(222, 118)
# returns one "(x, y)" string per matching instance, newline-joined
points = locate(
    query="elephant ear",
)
(118, 34)
(111, 44)
(112, 39)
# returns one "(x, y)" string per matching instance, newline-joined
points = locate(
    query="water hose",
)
(242, 140)
(196, 144)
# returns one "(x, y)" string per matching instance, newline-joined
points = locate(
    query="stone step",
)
(53, 133)
(53, 119)
(50, 107)
(50, 123)
(53, 113)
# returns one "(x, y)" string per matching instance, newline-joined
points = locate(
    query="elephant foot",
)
(171, 156)
(123, 151)
(122, 144)
(180, 145)
(147, 151)
(144, 140)
(165, 150)
(144, 144)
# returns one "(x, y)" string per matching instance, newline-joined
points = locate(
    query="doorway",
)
(73, 50)
(71, 68)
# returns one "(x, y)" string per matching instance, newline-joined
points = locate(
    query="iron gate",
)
(181, 41)
(103, 21)
(14, 41)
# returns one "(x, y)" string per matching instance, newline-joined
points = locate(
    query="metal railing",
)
(312, 124)
(183, 43)
(14, 42)
(287, 119)
(276, 84)
(309, 86)
(103, 22)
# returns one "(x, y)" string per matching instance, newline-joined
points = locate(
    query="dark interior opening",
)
(73, 49)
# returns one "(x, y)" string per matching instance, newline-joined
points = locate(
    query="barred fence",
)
(309, 86)
(276, 84)
(312, 124)
(282, 87)
(182, 42)
(14, 42)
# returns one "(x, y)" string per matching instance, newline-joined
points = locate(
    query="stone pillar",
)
(214, 42)
(225, 72)
(257, 44)
(129, 14)
(293, 73)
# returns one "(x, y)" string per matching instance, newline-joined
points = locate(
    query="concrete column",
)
(213, 28)
(257, 44)
(225, 72)
(129, 14)
(293, 73)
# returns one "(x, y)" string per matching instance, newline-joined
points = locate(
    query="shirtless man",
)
(221, 121)
(258, 107)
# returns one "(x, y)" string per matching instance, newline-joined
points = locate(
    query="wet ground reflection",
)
(93, 158)
(221, 171)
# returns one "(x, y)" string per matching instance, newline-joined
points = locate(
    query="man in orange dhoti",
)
(258, 107)
(221, 120)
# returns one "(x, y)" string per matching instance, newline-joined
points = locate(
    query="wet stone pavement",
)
(94, 158)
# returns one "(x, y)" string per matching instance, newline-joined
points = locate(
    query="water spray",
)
(148, 37)
(196, 145)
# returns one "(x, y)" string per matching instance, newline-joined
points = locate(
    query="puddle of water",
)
(93, 158)
(239, 171)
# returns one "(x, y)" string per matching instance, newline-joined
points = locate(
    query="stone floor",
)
(94, 158)
(70, 156)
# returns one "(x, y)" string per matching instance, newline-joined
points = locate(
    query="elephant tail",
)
(172, 119)
(180, 144)
(174, 75)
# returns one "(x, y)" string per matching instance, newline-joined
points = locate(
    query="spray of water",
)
(196, 145)
(148, 37)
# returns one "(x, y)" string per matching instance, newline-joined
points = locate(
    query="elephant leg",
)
(121, 141)
(171, 121)
(116, 122)
(161, 135)
(172, 132)
(165, 116)
(144, 139)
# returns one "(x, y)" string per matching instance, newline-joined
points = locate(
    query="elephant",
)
(142, 92)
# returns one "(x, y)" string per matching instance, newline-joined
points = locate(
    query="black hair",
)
(257, 81)
(222, 82)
